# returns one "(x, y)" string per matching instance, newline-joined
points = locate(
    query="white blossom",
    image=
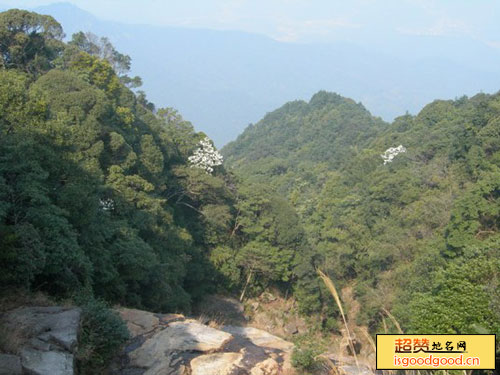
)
(205, 156)
(107, 204)
(391, 153)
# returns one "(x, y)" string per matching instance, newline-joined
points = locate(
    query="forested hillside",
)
(105, 195)
(105, 199)
(417, 235)
(85, 172)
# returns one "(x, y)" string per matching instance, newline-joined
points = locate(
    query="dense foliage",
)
(95, 187)
(417, 235)
(103, 194)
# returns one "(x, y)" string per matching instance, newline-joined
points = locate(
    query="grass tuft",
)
(331, 287)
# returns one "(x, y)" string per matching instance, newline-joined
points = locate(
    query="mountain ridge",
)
(224, 80)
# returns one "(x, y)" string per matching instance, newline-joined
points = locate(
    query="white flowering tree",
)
(107, 204)
(391, 153)
(205, 157)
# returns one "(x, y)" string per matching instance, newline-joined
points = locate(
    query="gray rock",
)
(132, 371)
(47, 338)
(217, 307)
(172, 347)
(259, 337)
(40, 345)
(63, 328)
(138, 322)
(53, 324)
(215, 364)
(10, 365)
(48, 309)
(156, 352)
(38, 362)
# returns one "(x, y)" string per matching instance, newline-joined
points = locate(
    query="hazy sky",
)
(308, 20)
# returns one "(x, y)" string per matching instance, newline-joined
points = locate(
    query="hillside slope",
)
(419, 235)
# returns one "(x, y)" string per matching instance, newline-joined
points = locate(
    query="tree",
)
(205, 156)
(464, 295)
(104, 50)
(272, 237)
(476, 216)
(29, 41)
(151, 155)
(13, 98)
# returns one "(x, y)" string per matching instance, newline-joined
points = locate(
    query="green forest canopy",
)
(418, 236)
(98, 195)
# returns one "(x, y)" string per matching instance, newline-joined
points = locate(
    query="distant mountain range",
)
(224, 80)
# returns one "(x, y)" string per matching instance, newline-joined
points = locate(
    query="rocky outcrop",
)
(10, 364)
(45, 340)
(139, 322)
(173, 345)
(260, 338)
(157, 352)
(41, 362)
(216, 364)
(162, 344)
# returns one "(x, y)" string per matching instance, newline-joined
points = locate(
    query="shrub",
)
(102, 333)
(307, 348)
(304, 359)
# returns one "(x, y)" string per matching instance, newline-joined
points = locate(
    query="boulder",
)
(10, 365)
(57, 325)
(267, 367)
(38, 362)
(161, 344)
(157, 350)
(259, 337)
(138, 321)
(169, 344)
(47, 338)
(215, 364)
(170, 318)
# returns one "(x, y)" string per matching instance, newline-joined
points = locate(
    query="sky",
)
(392, 55)
(308, 21)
